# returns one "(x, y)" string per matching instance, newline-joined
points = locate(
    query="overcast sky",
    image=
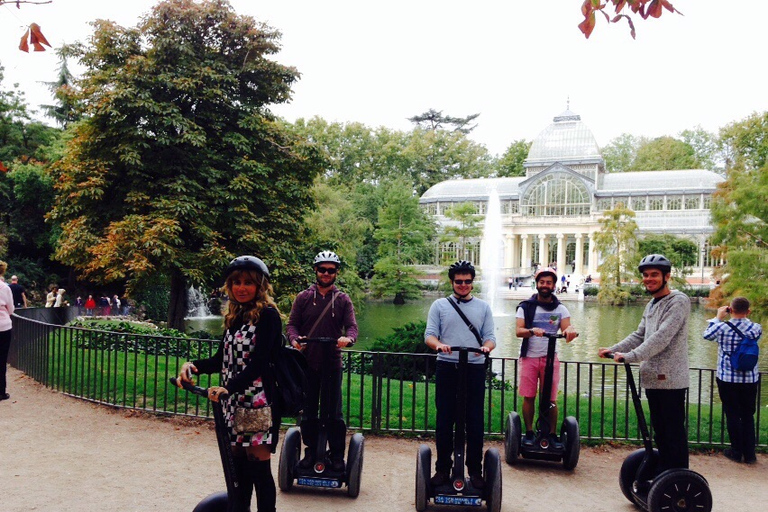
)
(516, 63)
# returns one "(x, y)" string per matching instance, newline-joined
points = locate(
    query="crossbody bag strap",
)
(466, 321)
(312, 330)
(737, 332)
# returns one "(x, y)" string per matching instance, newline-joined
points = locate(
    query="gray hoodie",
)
(661, 343)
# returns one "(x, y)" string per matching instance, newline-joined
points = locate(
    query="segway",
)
(219, 501)
(542, 449)
(321, 474)
(459, 490)
(673, 490)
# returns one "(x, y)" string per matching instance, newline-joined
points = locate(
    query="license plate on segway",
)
(466, 501)
(319, 482)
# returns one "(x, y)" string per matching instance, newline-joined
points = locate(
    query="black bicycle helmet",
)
(655, 261)
(327, 257)
(461, 267)
(247, 263)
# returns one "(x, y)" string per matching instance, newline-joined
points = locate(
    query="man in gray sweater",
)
(660, 344)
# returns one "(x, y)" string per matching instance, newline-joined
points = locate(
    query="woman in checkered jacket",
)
(253, 334)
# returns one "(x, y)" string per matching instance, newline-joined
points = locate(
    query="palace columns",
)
(592, 267)
(525, 250)
(509, 251)
(543, 250)
(561, 263)
(579, 254)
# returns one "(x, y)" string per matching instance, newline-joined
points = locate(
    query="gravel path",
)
(61, 454)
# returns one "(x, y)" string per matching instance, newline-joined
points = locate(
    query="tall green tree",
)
(740, 214)
(404, 236)
(617, 243)
(681, 252)
(706, 147)
(465, 227)
(66, 110)
(511, 162)
(663, 154)
(619, 153)
(178, 164)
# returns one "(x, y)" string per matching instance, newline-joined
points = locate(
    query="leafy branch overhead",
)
(642, 8)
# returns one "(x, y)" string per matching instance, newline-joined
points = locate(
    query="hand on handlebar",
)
(607, 354)
(570, 334)
(344, 342)
(188, 370)
(297, 344)
(215, 392)
(442, 347)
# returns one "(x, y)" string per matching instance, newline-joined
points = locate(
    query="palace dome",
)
(567, 139)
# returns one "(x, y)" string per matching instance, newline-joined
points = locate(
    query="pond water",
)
(598, 326)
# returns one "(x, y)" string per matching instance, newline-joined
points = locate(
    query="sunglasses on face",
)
(326, 270)
(462, 281)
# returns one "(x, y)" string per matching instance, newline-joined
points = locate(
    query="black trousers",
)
(446, 389)
(670, 430)
(324, 400)
(739, 405)
(5, 346)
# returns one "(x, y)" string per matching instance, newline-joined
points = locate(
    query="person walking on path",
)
(323, 311)
(19, 293)
(252, 337)
(538, 316)
(446, 328)
(660, 344)
(6, 325)
(737, 389)
(90, 305)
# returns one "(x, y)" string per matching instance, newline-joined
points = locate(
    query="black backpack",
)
(289, 368)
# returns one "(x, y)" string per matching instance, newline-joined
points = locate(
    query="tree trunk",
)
(399, 300)
(177, 309)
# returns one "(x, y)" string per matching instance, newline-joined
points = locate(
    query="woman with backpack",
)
(251, 339)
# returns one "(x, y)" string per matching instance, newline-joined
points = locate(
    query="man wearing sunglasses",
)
(446, 328)
(323, 311)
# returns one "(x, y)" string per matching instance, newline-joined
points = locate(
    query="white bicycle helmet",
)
(327, 257)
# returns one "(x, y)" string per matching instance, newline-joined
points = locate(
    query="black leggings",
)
(256, 475)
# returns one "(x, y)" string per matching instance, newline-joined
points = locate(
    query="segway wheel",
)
(492, 469)
(216, 502)
(423, 464)
(628, 472)
(355, 464)
(679, 490)
(512, 438)
(569, 433)
(289, 457)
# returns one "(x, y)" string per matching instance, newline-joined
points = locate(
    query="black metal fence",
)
(383, 392)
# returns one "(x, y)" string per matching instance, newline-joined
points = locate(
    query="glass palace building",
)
(552, 213)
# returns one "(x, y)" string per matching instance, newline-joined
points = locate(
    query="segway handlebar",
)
(196, 390)
(553, 335)
(460, 348)
(609, 355)
(317, 340)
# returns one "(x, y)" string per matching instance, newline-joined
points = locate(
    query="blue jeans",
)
(446, 389)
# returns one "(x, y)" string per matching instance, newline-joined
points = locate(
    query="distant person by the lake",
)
(737, 388)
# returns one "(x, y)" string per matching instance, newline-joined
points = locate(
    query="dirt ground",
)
(61, 454)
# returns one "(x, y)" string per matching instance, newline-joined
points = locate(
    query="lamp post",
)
(703, 256)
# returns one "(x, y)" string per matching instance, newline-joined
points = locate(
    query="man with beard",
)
(538, 316)
(323, 311)
(446, 328)
(660, 344)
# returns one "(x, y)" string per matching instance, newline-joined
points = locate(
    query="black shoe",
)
(337, 465)
(750, 460)
(5, 396)
(309, 458)
(440, 478)
(528, 439)
(554, 442)
(730, 454)
(477, 482)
